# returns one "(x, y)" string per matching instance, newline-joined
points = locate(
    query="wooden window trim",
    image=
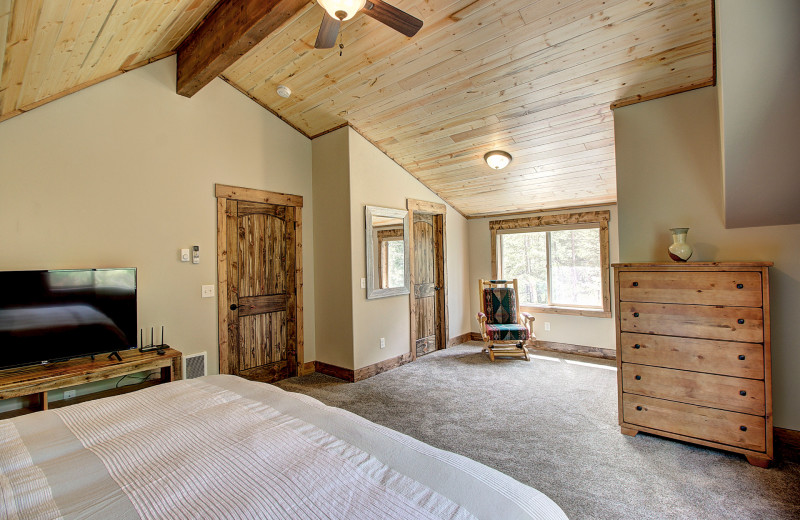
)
(600, 218)
(384, 237)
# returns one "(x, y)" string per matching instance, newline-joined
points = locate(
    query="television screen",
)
(55, 315)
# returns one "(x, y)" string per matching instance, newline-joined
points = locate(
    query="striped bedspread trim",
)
(235, 457)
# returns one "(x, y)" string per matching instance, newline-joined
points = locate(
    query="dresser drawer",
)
(724, 392)
(731, 428)
(728, 358)
(740, 289)
(695, 321)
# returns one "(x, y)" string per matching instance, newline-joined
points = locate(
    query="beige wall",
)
(331, 167)
(123, 173)
(669, 174)
(577, 330)
(758, 67)
(376, 180)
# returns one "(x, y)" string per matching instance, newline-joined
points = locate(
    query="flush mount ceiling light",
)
(342, 9)
(497, 159)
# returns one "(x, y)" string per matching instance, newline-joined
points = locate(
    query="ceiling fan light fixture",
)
(342, 9)
(497, 159)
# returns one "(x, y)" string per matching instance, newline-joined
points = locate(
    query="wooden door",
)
(425, 283)
(259, 316)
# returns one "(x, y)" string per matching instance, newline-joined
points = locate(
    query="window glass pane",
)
(394, 250)
(575, 267)
(524, 257)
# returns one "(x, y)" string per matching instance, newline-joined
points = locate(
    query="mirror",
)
(387, 252)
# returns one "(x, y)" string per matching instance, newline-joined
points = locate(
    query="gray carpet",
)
(552, 424)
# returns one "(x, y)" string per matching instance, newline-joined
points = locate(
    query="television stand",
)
(37, 380)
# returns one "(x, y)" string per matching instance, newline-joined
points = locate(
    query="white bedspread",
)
(223, 447)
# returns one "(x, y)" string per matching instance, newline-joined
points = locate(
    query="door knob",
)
(436, 287)
(234, 306)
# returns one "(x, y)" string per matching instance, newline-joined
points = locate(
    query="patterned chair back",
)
(500, 304)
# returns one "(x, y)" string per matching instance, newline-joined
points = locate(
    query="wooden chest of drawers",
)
(693, 354)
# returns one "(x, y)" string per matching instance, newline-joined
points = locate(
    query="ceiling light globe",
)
(497, 159)
(336, 7)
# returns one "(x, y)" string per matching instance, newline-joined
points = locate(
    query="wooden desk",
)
(37, 380)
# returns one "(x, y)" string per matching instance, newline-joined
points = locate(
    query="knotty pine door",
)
(261, 291)
(425, 283)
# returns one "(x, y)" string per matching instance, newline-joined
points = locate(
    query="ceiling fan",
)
(338, 11)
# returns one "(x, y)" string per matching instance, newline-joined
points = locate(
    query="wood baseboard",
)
(569, 348)
(788, 442)
(346, 374)
(458, 340)
(581, 350)
(307, 368)
(350, 375)
(382, 366)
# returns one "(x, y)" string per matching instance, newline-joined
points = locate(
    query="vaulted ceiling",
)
(535, 78)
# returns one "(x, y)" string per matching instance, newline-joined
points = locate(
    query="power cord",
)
(148, 377)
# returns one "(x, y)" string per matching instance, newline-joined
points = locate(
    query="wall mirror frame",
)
(382, 230)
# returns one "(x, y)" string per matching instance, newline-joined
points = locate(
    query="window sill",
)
(571, 311)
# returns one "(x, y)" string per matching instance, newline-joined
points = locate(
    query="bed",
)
(224, 447)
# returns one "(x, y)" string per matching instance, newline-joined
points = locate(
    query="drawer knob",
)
(635, 314)
(636, 284)
(637, 346)
(740, 286)
(741, 357)
(637, 377)
(740, 321)
(639, 408)
(742, 392)
(743, 428)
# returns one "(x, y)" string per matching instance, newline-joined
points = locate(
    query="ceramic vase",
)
(680, 251)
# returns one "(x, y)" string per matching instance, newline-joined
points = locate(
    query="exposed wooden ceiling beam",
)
(228, 33)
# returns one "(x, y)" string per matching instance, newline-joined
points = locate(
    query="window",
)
(391, 265)
(560, 261)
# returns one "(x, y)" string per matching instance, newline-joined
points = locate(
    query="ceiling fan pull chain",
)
(341, 44)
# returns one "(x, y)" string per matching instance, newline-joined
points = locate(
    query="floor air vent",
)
(194, 365)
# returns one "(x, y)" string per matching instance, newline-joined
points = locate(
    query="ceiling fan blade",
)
(389, 15)
(328, 30)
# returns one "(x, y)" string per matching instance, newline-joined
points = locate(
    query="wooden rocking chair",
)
(504, 330)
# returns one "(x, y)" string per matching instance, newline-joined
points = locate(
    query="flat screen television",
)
(55, 315)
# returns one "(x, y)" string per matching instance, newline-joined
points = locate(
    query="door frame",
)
(439, 213)
(223, 194)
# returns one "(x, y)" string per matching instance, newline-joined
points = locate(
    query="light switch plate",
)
(208, 291)
(363, 283)
(185, 257)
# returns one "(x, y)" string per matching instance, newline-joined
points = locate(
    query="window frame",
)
(563, 221)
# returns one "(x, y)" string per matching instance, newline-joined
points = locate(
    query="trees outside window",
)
(554, 267)
(560, 261)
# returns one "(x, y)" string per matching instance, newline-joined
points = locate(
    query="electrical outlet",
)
(70, 394)
(207, 291)
(383, 342)
(363, 283)
(547, 325)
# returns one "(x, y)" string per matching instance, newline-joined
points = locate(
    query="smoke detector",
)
(284, 91)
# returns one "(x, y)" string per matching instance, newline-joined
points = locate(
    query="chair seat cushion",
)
(507, 332)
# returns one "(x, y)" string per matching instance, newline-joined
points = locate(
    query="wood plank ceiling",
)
(532, 77)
